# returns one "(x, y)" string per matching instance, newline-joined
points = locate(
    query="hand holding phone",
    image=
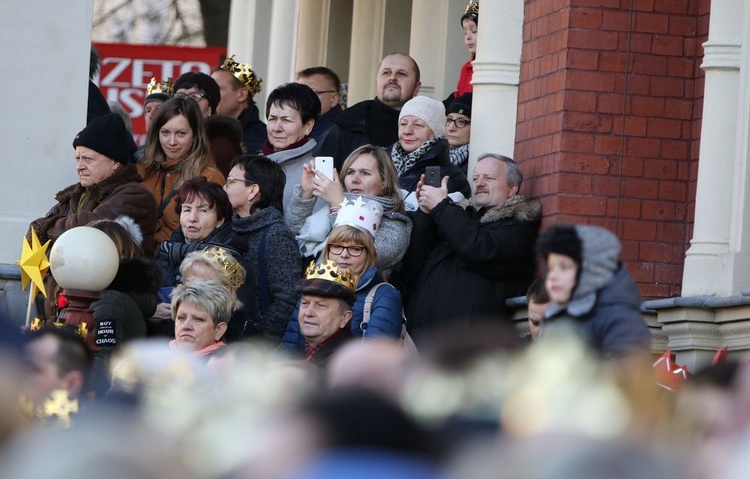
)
(432, 176)
(324, 165)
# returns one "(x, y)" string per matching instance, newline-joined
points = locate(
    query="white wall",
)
(45, 57)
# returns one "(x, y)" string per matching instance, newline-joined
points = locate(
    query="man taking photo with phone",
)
(463, 263)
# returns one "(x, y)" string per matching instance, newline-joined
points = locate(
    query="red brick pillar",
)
(596, 153)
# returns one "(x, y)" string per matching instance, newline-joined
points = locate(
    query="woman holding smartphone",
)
(368, 173)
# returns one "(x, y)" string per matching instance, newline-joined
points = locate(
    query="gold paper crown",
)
(164, 87)
(329, 271)
(245, 74)
(227, 262)
(472, 7)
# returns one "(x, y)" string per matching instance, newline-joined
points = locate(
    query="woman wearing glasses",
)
(176, 151)
(367, 172)
(353, 249)
(458, 131)
(255, 186)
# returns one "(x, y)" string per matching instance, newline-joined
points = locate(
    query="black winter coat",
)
(438, 155)
(466, 263)
(352, 131)
(120, 312)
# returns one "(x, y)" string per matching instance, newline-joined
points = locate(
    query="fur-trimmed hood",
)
(517, 208)
(102, 190)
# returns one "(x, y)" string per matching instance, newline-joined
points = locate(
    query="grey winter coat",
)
(312, 229)
(292, 162)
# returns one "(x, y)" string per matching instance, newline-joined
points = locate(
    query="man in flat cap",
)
(324, 311)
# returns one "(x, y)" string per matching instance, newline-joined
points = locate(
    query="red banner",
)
(127, 69)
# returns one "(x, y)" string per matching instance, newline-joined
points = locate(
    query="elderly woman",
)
(458, 131)
(353, 249)
(107, 188)
(205, 220)
(291, 112)
(218, 264)
(368, 173)
(201, 311)
(255, 187)
(176, 151)
(421, 143)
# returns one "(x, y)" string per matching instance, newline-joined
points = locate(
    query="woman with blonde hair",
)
(368, 173)
(176, 151)
(352, 248)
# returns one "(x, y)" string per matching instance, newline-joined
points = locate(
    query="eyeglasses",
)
(231, 180)
(323, 91)
(459, 122)
(338, 249)
(196, 95)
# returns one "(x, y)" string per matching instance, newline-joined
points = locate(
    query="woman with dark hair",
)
(367, 172)
(291, 112)
(176, 151)
(255, 187)
(205, 220)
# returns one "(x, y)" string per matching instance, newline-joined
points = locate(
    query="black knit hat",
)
(107, 135)
(461, 105)
(200, 80)
(561, 239)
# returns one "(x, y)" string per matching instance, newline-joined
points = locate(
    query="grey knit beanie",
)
(430, 111)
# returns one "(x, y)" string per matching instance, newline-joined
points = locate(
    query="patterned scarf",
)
(403, 161)
(459, 154)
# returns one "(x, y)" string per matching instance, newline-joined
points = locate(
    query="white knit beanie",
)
(430, 111)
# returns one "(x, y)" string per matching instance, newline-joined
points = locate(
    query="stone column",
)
(312, 34)
(427, 43)
(716, 255)
(282, 44)
(366, 48)
(241, 20)
(496, 77)
(38, 157)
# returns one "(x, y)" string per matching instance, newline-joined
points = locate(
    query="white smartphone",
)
(324, 164)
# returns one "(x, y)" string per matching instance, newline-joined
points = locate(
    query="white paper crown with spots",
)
(357, 213)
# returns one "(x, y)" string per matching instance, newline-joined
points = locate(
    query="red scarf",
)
(268, 147)
(311, 350)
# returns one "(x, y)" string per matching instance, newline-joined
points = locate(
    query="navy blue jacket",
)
(385, 316)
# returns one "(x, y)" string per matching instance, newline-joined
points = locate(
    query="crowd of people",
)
(274, 318)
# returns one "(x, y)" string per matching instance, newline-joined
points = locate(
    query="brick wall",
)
(595, 152)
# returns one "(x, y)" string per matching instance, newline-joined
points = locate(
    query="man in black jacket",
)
(375, 121)
(464, 263)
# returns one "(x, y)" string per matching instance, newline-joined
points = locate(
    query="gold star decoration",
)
(33, 263)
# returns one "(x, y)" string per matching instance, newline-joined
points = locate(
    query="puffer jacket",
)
(385, 316)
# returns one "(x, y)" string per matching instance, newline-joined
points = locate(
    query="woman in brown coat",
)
(176, 151)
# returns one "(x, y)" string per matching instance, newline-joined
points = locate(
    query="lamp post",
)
(83, 261)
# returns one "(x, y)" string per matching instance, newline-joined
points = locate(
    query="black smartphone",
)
(432, 176)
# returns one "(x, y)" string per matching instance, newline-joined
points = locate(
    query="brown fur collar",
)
(102, 190)
(517, 208)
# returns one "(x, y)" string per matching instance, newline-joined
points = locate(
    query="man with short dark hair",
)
(464, 263)
(201, 88)
(56, 359)
(327, 85)
(238, 85)
(375, 121)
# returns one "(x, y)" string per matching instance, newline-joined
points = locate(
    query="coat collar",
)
(102, 190)
(517, 208)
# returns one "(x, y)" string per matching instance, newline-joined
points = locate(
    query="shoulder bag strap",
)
(164, 203)
(368, 308)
